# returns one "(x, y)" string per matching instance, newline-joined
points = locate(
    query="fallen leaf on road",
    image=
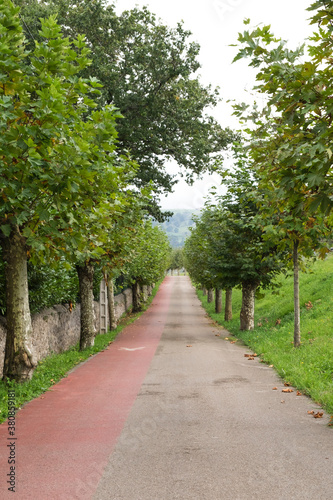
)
(319, 414)
(310, 412)
(188, 346)
(233, 342)
(299, 393)
(271, 366)
(250, 358)
(274, 389)
(226, 338)
(287, 390)
(217, 335)
(282, 401)
(248, 355)
(286, 384)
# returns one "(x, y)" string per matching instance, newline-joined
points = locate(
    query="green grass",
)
(310, 367)
(55, 367)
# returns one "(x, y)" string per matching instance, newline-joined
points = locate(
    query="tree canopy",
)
(150, 255)
(149, 72)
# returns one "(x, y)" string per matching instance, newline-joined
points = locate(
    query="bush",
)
(48, 285)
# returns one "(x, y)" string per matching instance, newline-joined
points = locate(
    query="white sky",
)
(215, 25)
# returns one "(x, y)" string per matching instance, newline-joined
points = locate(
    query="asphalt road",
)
(170, 411)
(206, 424)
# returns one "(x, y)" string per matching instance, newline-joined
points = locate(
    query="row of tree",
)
(227, 247)
(70, 191)
(176, 260)
(277, 210)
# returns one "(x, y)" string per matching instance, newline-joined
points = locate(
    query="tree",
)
(148, 71)
(237, 253)
(107, 226)
(197, 255)
(110, 241)
(197, 260)
(149, 260)
(50, 164)
(176, 259)
(218, 300)
(290, 140)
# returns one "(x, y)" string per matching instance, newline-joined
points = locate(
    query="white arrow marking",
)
(127, 349)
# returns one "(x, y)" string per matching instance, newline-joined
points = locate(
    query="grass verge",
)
(56, 366)
(310, 367)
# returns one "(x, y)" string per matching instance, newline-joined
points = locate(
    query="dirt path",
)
(193, 419)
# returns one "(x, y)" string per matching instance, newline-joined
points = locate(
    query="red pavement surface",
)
(65, 439)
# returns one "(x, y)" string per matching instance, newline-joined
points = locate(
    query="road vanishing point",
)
(171, 410)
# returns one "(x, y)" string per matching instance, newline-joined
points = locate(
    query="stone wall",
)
(123, 302)
(57, 329)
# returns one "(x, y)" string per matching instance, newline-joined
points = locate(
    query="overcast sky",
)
(215, 25)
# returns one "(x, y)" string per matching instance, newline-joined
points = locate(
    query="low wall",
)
(124, 301)
(57, 329)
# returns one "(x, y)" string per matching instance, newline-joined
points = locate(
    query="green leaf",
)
(6, 229)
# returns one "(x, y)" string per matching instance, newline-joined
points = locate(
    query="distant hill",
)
(177, 227)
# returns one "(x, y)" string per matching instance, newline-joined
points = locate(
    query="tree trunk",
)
(247, 311)
(136, 293)
(210, 295)
(297, 319)
(20, 361)
(218, 300)
(86, 283)
(204, 292)
(228, 305)
(112, 311)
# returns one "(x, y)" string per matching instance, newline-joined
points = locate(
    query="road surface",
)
(171, 411)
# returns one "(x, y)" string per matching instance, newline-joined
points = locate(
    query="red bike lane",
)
(65, 437)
